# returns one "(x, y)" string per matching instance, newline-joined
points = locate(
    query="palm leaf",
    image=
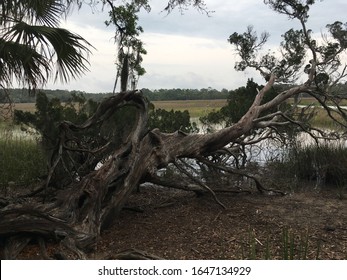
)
(47, 12)
(33, 48)
(68, 51)
(20, 62)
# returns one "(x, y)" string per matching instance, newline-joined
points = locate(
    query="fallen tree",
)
(76, 215)
(80, 212)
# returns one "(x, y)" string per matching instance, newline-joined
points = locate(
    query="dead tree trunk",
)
(79, 213)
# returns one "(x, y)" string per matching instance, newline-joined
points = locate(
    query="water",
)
(329, 106)
(270, 149)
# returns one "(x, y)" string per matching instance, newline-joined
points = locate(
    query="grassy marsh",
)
(21, 159)
(196, 108)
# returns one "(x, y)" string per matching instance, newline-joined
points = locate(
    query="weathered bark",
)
(79, 213)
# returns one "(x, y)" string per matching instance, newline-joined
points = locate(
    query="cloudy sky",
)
(189, 50)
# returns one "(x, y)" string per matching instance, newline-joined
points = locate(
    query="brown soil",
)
(178, 225)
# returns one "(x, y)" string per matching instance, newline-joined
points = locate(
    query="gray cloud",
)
(190, 50)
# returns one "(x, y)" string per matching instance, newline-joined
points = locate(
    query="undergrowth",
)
(321, 166)
(289, 246)
(21, 159)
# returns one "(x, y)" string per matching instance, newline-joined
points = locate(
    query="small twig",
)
(195, 251)
(217, 216)
(256, 239)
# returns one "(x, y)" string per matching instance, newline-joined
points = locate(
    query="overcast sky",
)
(189, 50)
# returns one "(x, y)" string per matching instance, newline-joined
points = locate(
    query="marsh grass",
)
(321, 119)
(196, 108)
(27, 107)
(296, 246)
(288, 245)
(312, 101)
(311, 166)
(21, 159)
(326, 163)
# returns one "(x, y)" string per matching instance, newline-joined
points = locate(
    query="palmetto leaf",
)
(68, 51)
(22, 63)
(30, 27)
(47, 12)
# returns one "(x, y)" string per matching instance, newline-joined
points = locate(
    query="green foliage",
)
(46, 120)
(339, 31)
(239, 102)
(295, 247)
(171, 121)
(297, 46)
(293, 49)
(23, 96)
(291, 246)
(21, 160)
(185, 94)
(33, 47)
(183, 4)
(293, 52)
(293, 8)
(130, 48)
(50, 112)
(247, 44)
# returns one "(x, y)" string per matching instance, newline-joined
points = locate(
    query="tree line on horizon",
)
(22, 95)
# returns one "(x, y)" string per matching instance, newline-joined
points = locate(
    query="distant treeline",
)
(185, 94)
(23, 96)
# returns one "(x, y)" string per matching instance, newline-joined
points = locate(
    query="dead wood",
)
(79, 212)
(134, 254)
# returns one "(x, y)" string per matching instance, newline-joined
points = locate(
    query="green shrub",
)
(171, 121)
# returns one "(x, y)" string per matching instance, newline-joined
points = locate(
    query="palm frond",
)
(47, 12)
(22, 63)
(34, 48)
(68, 51)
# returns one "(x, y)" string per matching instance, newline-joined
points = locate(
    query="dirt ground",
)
(179, 225)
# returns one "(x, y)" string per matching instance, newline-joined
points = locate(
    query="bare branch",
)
(200, 184)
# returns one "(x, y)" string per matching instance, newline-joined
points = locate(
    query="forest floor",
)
(305, 224)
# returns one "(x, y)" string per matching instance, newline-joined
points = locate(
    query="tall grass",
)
(321, 119)
(288, 245)
(326, 164)
(196, 108)
(21, 159)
